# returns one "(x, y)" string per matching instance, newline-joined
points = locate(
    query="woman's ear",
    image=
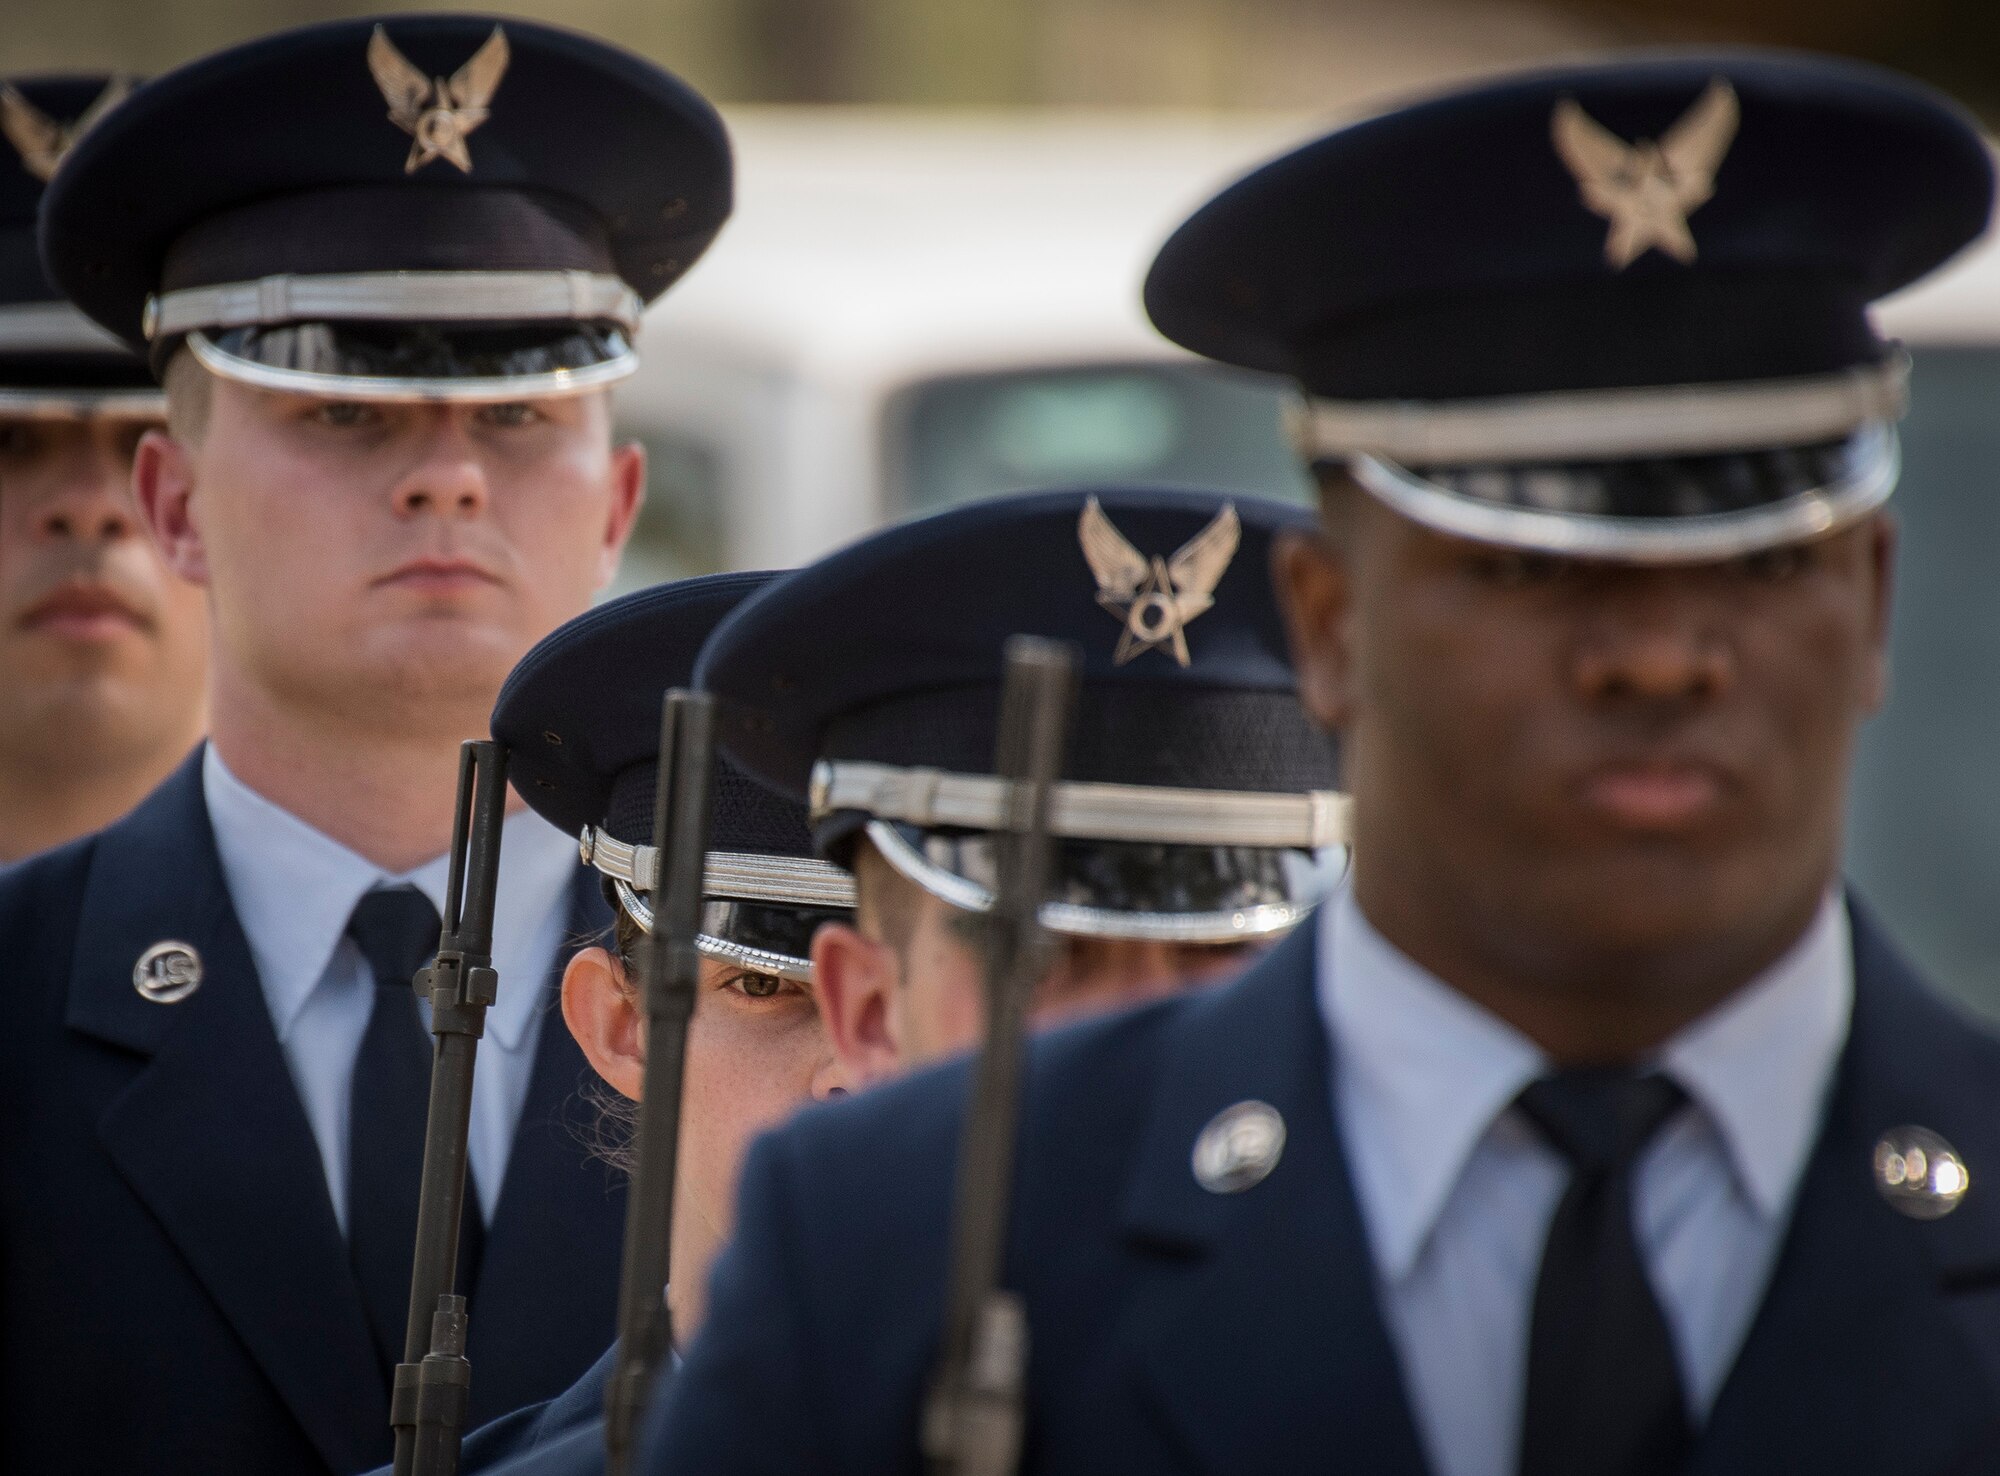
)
(854, 980)
(602, 1012)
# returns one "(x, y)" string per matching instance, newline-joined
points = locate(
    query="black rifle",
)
(427, 1402)
(973, 1414)
(671, 974)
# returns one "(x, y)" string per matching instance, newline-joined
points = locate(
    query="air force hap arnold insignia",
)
(1648, 189)
(1239, 1147)
(39, 139)
(438, 114)
(1156, 598)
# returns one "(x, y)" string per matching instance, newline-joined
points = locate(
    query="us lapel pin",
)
(168, 972)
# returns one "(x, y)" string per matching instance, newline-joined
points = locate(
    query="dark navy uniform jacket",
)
(521, 1441)
(174, 1289)
(1176, 1330)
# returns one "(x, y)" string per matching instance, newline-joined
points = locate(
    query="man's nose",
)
(1661, 644)
(830, 1079)
(91, 503)
(448, 479)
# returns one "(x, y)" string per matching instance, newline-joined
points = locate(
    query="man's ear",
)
(628, 494)
(1315, 594)
(1882, 536)
(163, 488)
(602, 1012)
(854, 980)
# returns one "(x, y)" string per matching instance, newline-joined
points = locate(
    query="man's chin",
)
(447, 662)
(1659, 901)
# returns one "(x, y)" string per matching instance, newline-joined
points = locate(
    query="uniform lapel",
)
(558, 1209)
(1875, 1349)
(1254, 1316)
(210, 1134)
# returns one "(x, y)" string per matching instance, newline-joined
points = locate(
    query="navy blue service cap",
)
(55, 362)
(1617, 310)
(580, 716)
(416, 207)
(1198, 802)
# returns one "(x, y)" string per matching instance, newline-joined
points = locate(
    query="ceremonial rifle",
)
(670, 975)
(427, 1401)
(973, 1411)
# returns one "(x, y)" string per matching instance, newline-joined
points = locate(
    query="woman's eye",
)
(511, 414)
(760, 986)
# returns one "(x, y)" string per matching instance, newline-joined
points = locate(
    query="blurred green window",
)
(952, 440)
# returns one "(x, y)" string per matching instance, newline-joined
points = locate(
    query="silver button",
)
(168, 972)
(1239, 1147)
(1920, 1173)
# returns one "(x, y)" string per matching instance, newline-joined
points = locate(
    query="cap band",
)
(1580, 425)
(83, 404)
(54, 328)
(727, 877)
(1128, 812)
(743, 875)
(413, 297)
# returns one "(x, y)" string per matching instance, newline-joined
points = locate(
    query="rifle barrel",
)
(973, 1415)
(427, 1403)
(671, 977)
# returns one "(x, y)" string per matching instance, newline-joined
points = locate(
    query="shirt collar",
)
(1424, 1070)
(294, 888)
(1761, 1063)
(1428, 1072)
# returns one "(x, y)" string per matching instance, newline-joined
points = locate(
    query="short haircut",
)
(1337, 493)
(190, 395)
(887, 903)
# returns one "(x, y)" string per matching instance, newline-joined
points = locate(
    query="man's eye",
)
(1511, 568)
(512, 414)
(1775, 565)
(345, 414)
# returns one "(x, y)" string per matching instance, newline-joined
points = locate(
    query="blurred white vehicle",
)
(912, 310)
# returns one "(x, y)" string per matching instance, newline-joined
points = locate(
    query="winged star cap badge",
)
(1648, 189)
(39, 139)
(438, 114)
(1156, 598)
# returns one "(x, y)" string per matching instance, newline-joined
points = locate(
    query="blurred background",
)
(930, 293)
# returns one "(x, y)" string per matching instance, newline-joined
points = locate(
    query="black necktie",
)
(397, 932)
(1604, 1389)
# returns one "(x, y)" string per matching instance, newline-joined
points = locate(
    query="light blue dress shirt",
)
(294, 889)
(1457, 1191)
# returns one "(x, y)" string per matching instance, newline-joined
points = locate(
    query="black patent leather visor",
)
(1648, 509)
(1127, 889)
(419, 361)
